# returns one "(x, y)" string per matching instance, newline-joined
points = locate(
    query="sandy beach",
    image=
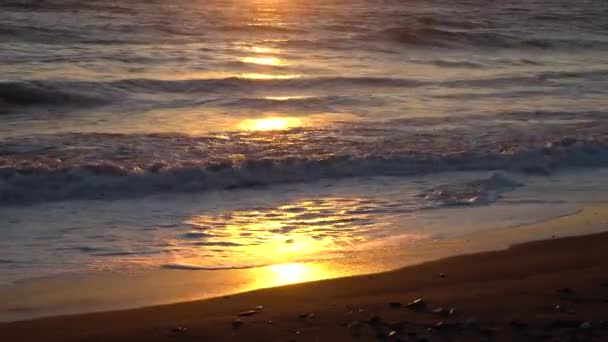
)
(554, 289)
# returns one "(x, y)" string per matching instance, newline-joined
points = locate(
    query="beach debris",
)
(237, 323)
(585, 325)
(355, 328)
(417, 305)
(375, 320)
(394, 305)
(441, 311)
(259, 308)
(441, 275)
(179, 330)
(392, 333)
(452, 312)
(308, 315)
(247, 313)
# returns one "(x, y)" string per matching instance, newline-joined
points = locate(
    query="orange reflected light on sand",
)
(283, 274)
(271, 124)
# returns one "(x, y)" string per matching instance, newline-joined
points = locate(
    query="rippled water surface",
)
(107, 105)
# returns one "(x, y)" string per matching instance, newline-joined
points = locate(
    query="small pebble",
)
(375, 319)
(237, 323)
(394, 305)
(441, 275)
(417, 304)
(355, 328)
(585, 325)
(452, 312)
(179, 330)
(247, 313)
(259, 307)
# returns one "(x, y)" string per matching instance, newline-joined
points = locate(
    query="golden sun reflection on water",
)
(271, 124)
(255, 76)
(264, 49)
(271, 61)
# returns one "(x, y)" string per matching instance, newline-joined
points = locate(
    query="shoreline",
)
(487, 289)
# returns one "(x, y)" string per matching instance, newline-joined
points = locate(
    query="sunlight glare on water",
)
(271, 124)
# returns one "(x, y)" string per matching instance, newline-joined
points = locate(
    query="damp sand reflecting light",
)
(291, 273)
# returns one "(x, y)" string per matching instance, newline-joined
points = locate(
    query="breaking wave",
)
(102, 166)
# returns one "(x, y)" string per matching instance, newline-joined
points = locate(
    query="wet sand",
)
(544, 290)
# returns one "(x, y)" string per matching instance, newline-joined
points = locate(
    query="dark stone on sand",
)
(308, 315)
(375, 320)
(394, 305)
(564, 323)
(488, 331)
(381, 335)
(237, 323)
(247, 313)
(398, 326)
(471, 322)
(417, 305)
(517, 324)
(178, 330)
(441, 275)
(355, 328)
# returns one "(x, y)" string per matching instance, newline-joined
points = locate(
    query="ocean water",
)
(205, 135)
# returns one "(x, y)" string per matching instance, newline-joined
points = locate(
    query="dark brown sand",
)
(549, 290)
